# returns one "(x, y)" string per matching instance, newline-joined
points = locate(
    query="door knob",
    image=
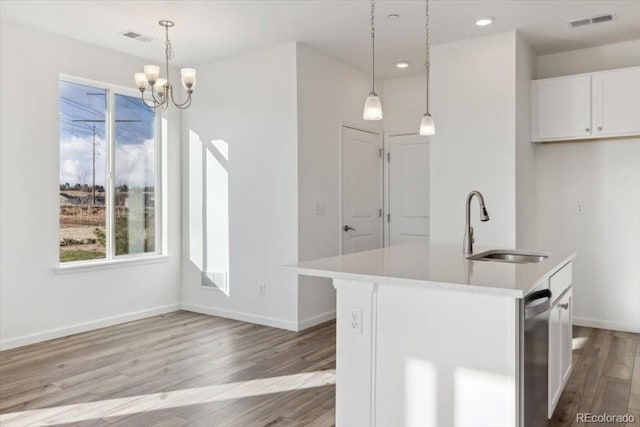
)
(347, 228)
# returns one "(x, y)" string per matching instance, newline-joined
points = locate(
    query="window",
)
(109, 173)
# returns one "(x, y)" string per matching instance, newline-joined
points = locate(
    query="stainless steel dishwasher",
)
(535, 308)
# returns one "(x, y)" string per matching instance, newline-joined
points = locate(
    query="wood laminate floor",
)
(190, 369)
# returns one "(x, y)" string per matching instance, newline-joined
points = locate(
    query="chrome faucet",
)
(468, 229)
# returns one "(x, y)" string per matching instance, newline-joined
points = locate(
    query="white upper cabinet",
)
(563, 107)
(586, 106)
(616, 102)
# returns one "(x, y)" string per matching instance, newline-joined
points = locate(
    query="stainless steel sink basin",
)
(511, 256)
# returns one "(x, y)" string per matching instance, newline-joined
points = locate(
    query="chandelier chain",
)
(168, 50)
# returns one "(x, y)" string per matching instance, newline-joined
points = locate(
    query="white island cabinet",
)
(426, 337)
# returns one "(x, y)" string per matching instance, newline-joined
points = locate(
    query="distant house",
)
(69, 200)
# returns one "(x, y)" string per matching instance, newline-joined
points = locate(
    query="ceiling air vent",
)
(137, 36)
(580, 22)
(602, 18)
(593, 20)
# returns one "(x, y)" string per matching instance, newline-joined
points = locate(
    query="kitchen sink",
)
(511, 256)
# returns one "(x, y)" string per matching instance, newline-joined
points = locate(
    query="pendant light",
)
(427, 126)
(372, 105)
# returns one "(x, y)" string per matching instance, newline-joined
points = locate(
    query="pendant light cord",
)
(427, 58)
(373, 46)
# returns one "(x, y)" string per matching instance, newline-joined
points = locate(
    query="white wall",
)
(35, 302)
(329, 93)
(249, 102)
(604, 176)
(473, 104)
(526, 189)
(608, 57)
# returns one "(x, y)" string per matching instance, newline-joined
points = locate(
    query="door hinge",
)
(380, 213)
(388, 217)
(380, 152)
(388, 157)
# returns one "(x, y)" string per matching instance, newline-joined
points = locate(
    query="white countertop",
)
(436, 266)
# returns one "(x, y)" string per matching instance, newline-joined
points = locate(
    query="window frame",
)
(111, 259)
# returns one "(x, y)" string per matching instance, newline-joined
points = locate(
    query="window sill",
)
(80, 266)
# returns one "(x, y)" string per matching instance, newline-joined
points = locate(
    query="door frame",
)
(386, 199)
(350, 125)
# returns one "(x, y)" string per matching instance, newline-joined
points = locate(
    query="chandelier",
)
(162, 89)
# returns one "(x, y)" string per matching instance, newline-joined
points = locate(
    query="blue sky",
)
(83, 107)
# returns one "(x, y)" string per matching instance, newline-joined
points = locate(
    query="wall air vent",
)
(593, 20)
(137, 36)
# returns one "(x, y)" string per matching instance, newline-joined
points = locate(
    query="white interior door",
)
(408, 209)
(361, 226)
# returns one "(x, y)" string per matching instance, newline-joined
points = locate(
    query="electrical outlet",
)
(355, 320)
(261, 289)
(579, 208)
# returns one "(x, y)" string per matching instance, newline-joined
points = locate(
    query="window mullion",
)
(159, 189)
(110, 199)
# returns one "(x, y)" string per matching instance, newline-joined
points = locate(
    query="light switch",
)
(319, 208)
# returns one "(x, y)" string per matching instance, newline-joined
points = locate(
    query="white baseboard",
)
(22, 340)
(242, 316)
(50, 334)
(316, 320)
(604, 324)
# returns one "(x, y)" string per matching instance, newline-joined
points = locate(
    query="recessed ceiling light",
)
(403, 64)
(393, 16)
(483, 21)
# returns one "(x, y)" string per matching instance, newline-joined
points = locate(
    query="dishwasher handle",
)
(533, 309)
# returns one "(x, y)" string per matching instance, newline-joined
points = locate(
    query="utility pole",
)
(94, 166)
(94, 148)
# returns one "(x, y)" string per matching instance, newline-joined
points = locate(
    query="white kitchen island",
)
(427, 337)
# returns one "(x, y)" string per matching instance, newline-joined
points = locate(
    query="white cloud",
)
(134, 163)
(76, 160)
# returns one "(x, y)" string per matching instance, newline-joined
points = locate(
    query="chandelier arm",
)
(162, 101)
(186, 104)
(180, 105)
(144, 101)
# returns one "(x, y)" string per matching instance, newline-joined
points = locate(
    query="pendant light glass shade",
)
(372, 107)
(427, 126)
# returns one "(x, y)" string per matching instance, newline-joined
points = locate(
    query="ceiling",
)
(210, 30)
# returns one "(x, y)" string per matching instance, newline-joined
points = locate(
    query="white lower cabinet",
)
(560, 347)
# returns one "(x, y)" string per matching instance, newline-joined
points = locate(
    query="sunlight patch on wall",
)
(209, 210)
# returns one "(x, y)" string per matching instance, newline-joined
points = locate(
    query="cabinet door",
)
(616, 102)
(554, 359)
(561, 108)
(566, 336)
